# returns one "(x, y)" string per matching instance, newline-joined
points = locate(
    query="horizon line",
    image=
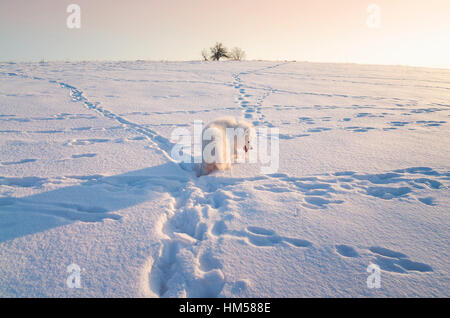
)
(222, 61)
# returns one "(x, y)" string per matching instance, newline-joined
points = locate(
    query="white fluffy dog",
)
(223, 140)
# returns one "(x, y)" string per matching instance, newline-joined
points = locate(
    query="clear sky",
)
(411, 32)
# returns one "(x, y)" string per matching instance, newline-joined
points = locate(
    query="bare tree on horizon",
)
(237, 54)
(218, 51)
(205, 55)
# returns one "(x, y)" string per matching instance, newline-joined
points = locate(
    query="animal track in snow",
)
(346, 251)
(320, 191)
(388, 260)
(397, 262)
(20, 162)
(251, 109)
(197, 219)
(289, 137)
(258, 236)
(427, 200)
(24, 182)
(159, 143)
(431, 123)
(68, 211)
(182, 269)
(84, 155)
(306, 120)
(358, 129)
(85, 142)
(318, 129)
(317, 193)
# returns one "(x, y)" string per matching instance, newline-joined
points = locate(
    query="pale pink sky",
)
(412, 32)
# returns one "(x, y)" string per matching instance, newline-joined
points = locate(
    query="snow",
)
(86, 178)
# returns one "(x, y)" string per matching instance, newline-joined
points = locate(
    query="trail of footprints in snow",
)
(243, 100)
(183, 268)
(388, 260)
(402, 184)
(197, 220)
(158, 142)
(63, 210)
(200, 212)
(197, 203)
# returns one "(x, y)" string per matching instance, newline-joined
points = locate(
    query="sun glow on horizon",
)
(409, 33)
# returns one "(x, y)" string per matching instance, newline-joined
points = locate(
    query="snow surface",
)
(86, 177)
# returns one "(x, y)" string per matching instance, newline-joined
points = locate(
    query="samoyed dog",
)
(224, 141)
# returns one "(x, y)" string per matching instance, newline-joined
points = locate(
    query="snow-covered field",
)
(86, 178)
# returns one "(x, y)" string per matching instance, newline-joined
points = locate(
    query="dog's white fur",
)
(222, 144)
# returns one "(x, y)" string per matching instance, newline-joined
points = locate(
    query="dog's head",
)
(249, 137)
